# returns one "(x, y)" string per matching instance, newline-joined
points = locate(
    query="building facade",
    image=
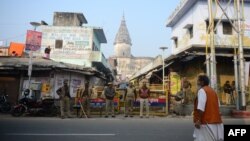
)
(73, 42)
(190, 20)
(190, 24)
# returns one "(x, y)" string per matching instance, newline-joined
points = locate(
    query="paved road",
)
(99, 129)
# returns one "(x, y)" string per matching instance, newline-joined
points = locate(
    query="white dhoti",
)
(209, 132)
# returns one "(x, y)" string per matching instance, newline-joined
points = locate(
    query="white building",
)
(72, 41)
(189, 23)
(190, 20)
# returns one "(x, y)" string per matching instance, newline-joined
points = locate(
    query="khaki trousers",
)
(142, 102)
(65, 105)
(129, 105)
(110, 107)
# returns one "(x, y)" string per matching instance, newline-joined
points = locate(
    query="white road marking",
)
(41, 134)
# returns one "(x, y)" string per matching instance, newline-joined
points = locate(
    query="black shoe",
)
(62, 117)
(113, 116)
(106, 116)
(131, 116)
(126, 116)
(141, 116)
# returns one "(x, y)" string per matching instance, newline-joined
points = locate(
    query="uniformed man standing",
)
(109, 93)
(65, 97)
(130, 97)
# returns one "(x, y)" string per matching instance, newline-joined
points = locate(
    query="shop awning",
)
(166, 65)
(155, 64)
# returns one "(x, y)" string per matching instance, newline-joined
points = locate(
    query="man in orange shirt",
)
(207, 118)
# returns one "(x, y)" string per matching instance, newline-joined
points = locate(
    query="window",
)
(176, 42)
(115, 62)
(227, 28)
(189, 28)
(190, 31)
(94, 47)
(207, 24)
(59, 43)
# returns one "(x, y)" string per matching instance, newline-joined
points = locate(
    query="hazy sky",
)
(146, 20)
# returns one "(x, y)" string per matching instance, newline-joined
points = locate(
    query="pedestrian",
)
(109, 93)
(130, 98)
(227, 92)
(207, 118)
(64, 96)
(94, 93)
(233, 92)
(86, 98)
(187, 92)
(14, 53)
(184, 98)
(144, 94)
(47, 52)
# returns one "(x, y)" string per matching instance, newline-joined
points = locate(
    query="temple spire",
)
(122, 35)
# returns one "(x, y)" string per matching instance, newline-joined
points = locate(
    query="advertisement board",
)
(175, 83)
(33, 40)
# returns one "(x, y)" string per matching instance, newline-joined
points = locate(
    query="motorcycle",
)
(45, 107)
(5, 106)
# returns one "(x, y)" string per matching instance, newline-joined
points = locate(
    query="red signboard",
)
(33, 40)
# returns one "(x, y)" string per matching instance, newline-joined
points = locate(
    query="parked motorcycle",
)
(5, 106)
(45, 107)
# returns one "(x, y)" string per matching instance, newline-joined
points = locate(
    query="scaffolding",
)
(240, 85)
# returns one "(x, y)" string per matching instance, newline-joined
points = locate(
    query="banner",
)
(175, 83)
(156, 102)
(16, 49)
(33, 40)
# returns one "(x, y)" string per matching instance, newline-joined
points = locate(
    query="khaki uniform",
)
(64, 95)
(84, 98)
(129, 101)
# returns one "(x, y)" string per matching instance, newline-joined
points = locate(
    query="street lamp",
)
(163, 75)
(35, 24)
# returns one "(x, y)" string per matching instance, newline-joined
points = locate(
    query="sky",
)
(145, 19)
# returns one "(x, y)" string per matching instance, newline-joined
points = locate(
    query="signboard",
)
(156, 102)
(16, 49)
(98, 102)
(33, 40)
(175, 83)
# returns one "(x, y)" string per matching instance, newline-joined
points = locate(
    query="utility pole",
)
(213, 74)
(236, 79)
(163, 77)
(35, 25)
(241, 69)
